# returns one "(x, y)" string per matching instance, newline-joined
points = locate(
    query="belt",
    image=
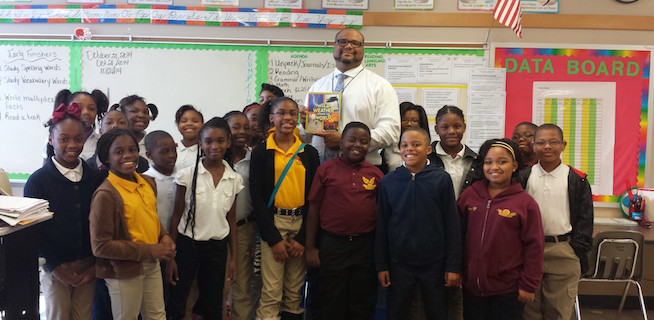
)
(349, 238)
(244, 221)
(289, 212)
(556, 239)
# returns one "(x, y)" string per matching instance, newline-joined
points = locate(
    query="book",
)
(323, 111)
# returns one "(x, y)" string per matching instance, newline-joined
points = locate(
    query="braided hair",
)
(215, 123)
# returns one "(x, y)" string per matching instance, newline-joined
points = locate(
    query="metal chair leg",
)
(622, 301)
(577, 310)
(642, 300)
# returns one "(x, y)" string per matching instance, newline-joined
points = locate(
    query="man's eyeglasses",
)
(354, 43)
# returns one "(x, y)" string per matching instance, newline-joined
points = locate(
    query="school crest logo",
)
(472, 209)
(369, 184)
(506, 213)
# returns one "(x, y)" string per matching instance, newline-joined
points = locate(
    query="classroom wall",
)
(591, 8)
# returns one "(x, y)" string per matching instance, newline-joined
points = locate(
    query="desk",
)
(19, 271)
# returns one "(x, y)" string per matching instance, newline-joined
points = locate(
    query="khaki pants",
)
(142, 293)
(281, 280)
(556, 296)
(66, 302)
(241, 307)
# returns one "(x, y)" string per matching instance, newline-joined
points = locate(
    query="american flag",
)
(509, 13)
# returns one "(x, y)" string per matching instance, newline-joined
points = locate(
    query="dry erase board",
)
(214, 78)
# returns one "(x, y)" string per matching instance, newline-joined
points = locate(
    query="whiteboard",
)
(214, 81)
(214, 78)
(30, 77)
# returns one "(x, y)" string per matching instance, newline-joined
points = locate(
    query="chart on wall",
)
(586, 113)
(594, 95)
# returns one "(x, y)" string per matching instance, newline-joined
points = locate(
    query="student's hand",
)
(524, 296)
(172, 276)
(280, 250)
(296, 249)
(66, 275)
(162, 251)
(332, 138)
(86, 276)
(313, 257)
(452, 279)
(168, 242)
(384, 278)
(303, 115)
(231, 275)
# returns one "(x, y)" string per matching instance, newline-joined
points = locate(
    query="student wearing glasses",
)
(566, 203)
(523, 135)
(366, 97)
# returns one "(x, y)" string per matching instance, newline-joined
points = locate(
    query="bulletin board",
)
(215, 78)
(598, 96)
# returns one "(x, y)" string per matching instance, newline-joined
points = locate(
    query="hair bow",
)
(61, 111)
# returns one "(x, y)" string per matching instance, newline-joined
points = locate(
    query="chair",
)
(617, 256)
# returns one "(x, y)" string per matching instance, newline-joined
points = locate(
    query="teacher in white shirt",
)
(366, 97)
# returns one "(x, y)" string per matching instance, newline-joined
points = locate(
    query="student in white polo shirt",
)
(566, 203)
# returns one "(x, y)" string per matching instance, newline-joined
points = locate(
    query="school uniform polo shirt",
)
(211, 202)
(74, 175)
(186, 156)
(140, 208)
(453, 166)
(165, 195)
(348, 196)
(291, 192)
(550, 190)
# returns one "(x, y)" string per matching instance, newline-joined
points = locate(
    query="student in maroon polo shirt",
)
(343, 207)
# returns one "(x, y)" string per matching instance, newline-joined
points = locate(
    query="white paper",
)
(560, 103)
(406, 94)
(220, 2)
(483, 127)
(345, 4)
(483, 102)
(402, 70)
(435, 98)
(292, 4)
(462, 65)
(158, 2)
(434, 69)
(487, 79)
(414, 4)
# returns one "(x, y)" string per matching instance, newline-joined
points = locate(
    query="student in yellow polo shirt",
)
(281, 215)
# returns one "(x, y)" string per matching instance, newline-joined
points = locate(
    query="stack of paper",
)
(15, 210)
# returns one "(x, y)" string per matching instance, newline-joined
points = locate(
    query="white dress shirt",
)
(550, 190)
(454, 166)
(212, 203)
(243, 201)
(367, 98)
(74, 175)
(186, 156)
(165, 194)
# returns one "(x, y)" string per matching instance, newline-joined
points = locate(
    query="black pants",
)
(499, 307)
(205, 260)
(348, 281)
(430, 280)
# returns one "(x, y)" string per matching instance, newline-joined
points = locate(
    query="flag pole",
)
(489, 30)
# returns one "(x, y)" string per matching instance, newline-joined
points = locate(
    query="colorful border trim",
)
(182, 15)
(642, 141)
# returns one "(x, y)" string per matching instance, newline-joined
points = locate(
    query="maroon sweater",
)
(504, 240)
